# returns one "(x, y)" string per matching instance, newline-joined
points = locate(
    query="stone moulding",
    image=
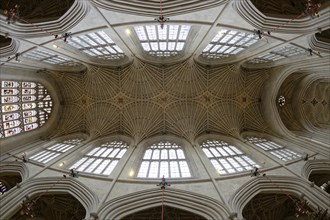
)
(201, 205)
(253, 16)
(33, 187)
(72, 17)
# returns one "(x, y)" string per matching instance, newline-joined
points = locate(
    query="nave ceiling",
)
(142, 100)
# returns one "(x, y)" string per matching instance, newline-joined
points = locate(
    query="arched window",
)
(55, 150)
(24, 106)
(162, 42)
(97, 44)
(279, 54)
(274, 148)
(228, 43)
(102, 159)
(226, 158)
(164, 159)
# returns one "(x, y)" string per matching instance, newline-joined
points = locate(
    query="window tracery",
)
(102, 159)
(162, 42)
(97, 44)
(24, 106)
(55, 150)
(164, 159)
(228, 43)
(275, 149)
(50, 58)
(279, 54)
(226, 158)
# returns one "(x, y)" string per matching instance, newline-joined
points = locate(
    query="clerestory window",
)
(55, 150)
(279, 54)
(226, 158)
(24, 106)
(228, 43)
(103, 159)
(97, 44)
(275, 149)
(164, 159)
(162, 42)
(49, 57)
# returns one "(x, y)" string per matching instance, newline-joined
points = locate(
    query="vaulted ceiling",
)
(142, 100)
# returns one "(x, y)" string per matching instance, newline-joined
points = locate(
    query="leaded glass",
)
(164, 159)
(97, 44)
(157, 41)
(226, 158)
(48, 57)
(24, 106)
(55, 150)
(279, 54)
(228, 43)
(275, 149)
(102, 159)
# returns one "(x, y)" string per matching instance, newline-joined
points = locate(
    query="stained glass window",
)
(226, 158)
(164, 159)
(97, 44)
(55, 150)
(275, 149)
(228, 43)
(162, 42)
(102, 159)
(24, 106)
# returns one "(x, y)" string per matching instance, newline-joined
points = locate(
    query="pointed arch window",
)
(164, 159)
(103, 159)
(275, 149)
(279, 54)
(162, 42)
(49, 57)
(226, 158)
(24, 106)
(55, 150)
(228, 43)
(97, 44)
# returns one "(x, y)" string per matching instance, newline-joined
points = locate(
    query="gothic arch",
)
(270, 92)
(191, 202)
(15, 167)
(315, 166)
(33, 187)
(258, 19)
(39, 28)
(281, 184)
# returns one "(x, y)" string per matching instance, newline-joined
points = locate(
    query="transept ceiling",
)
(313, 103)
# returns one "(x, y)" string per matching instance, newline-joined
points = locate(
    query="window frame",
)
(248, 40)
(149, 40)
(223, 153)
(96, 153)
(31, 113)
(278, 54)
(168, 145)
(273, 148)
(97, 45)
(58, 148)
